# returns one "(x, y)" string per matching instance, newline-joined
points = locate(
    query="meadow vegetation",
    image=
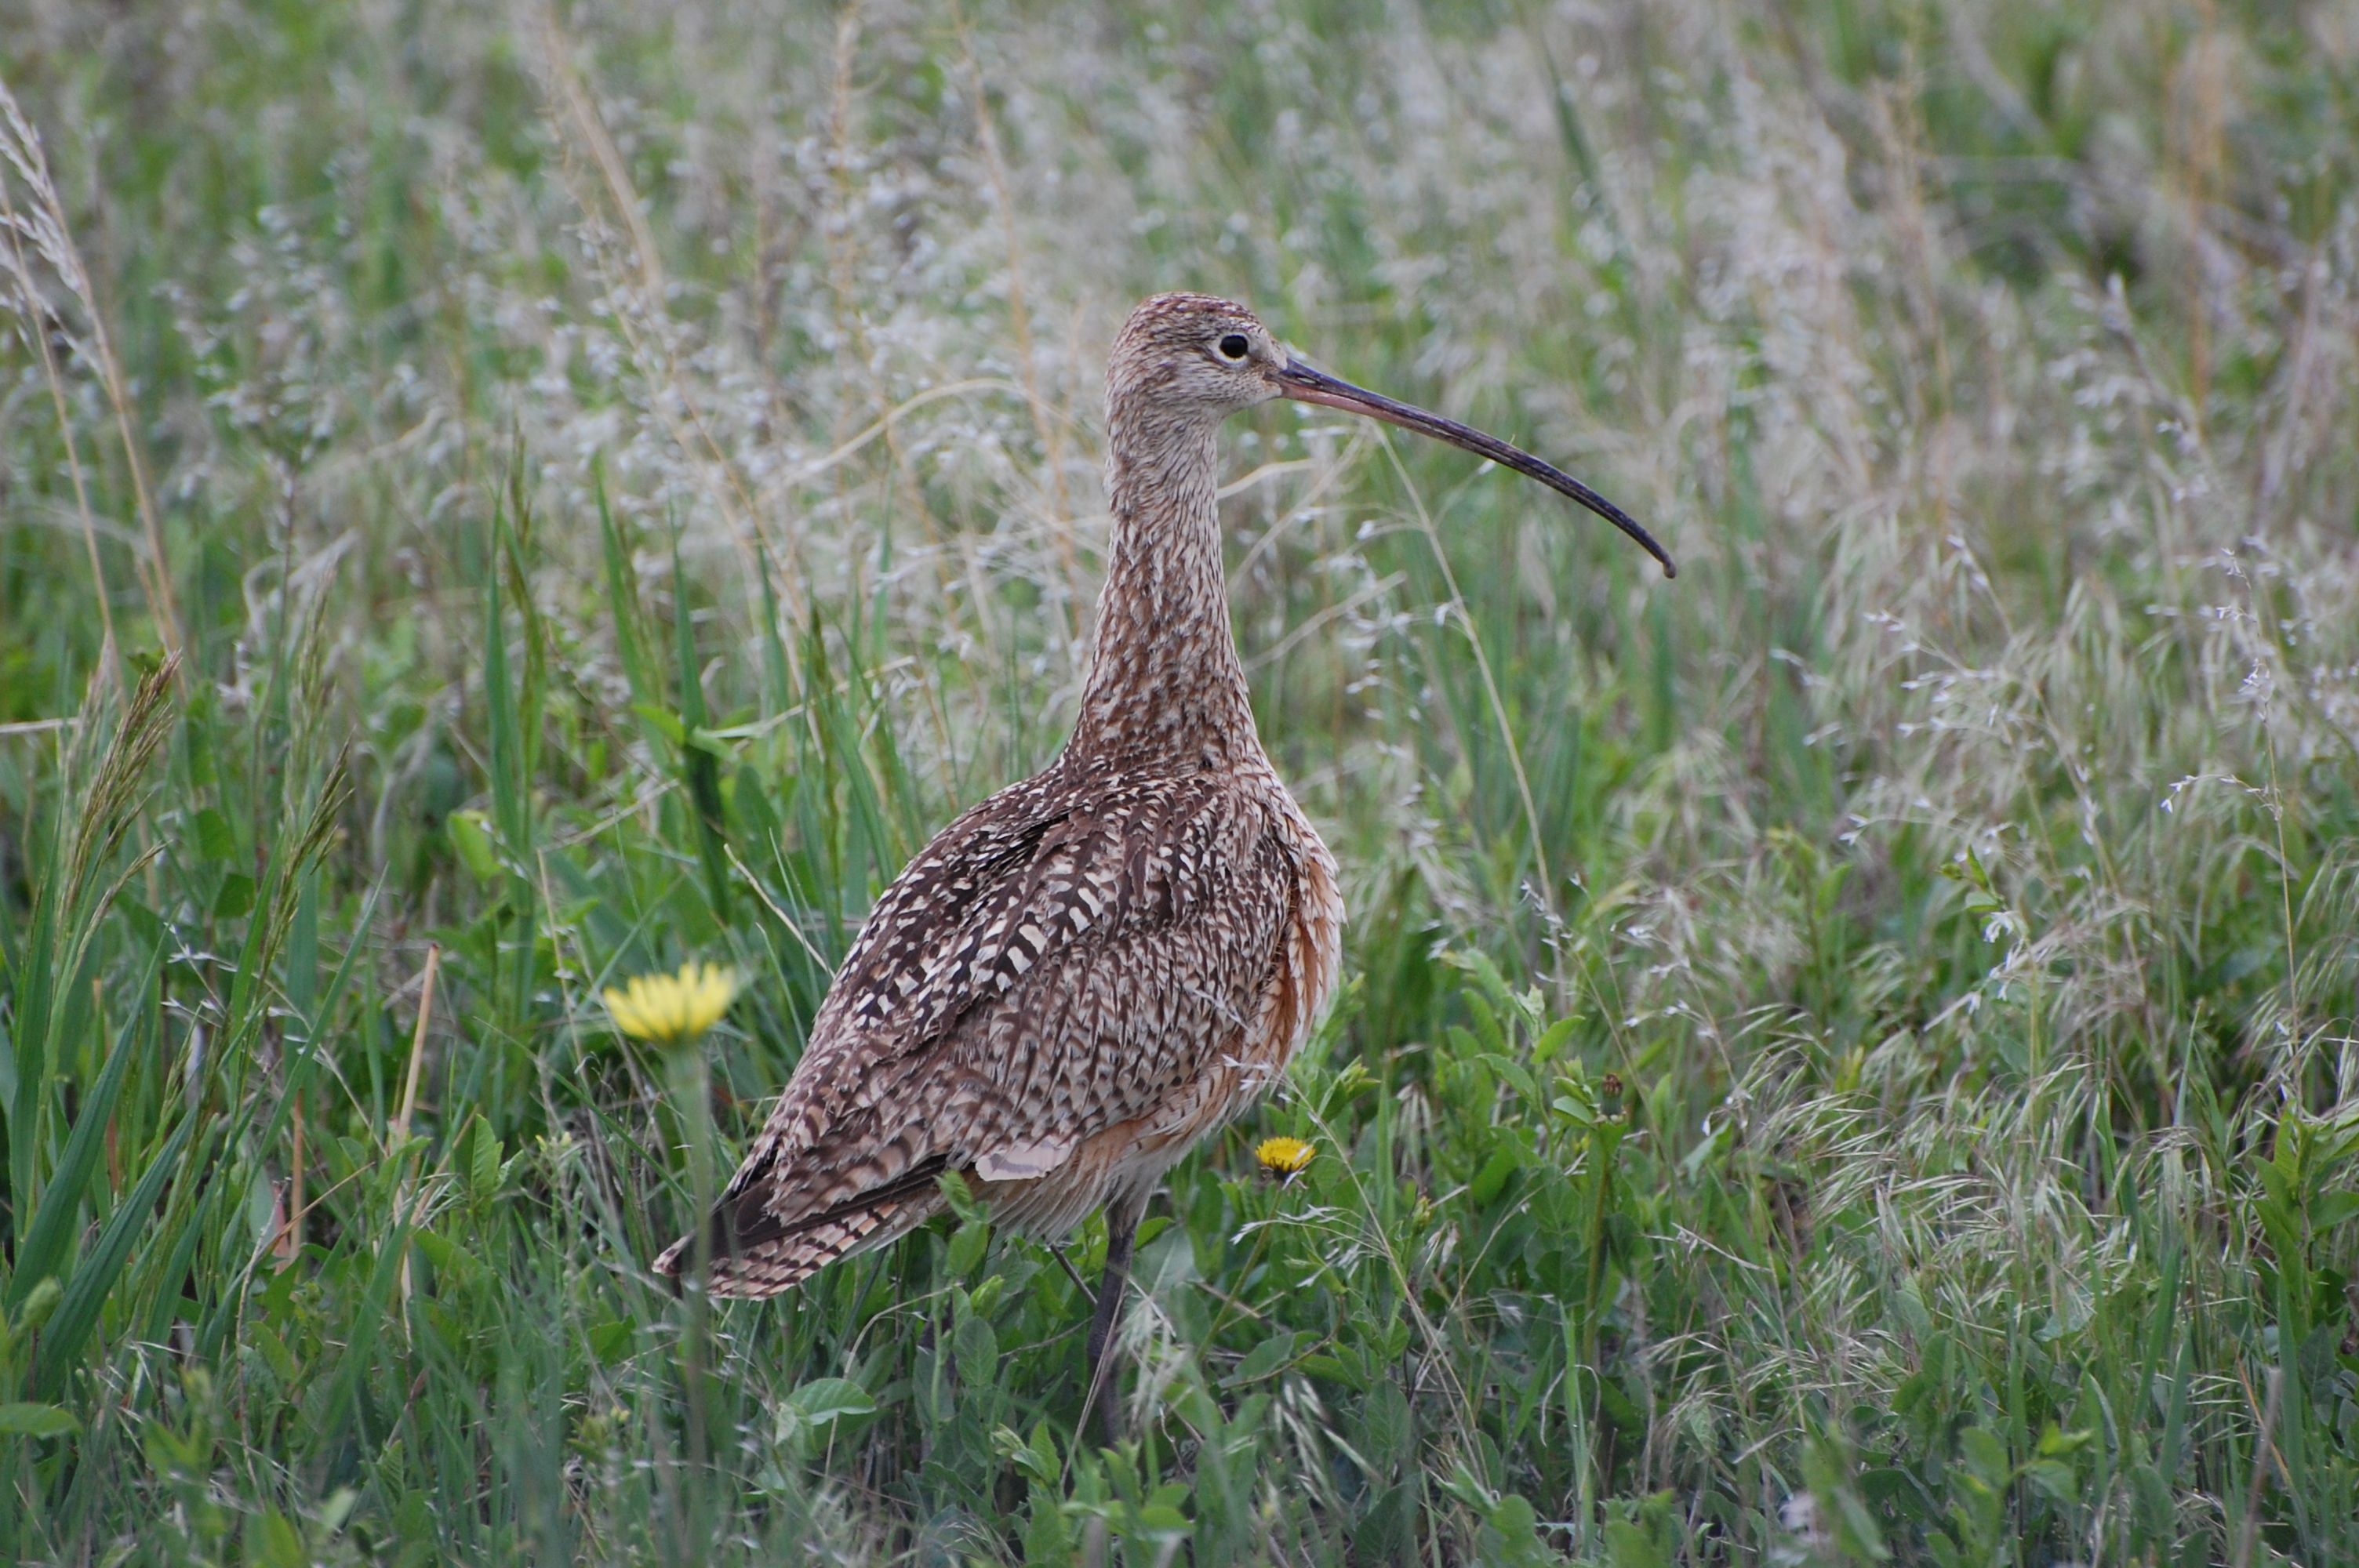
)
(1847, 1056)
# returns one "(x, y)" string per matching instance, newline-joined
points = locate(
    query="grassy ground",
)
(1847, 1056)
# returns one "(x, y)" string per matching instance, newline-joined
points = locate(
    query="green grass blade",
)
(777, 682)
(622, 594)
(86, 1293)
(367, 1319)
(164, 1283)
(57, 1218)
(511, 783)
(699, 769)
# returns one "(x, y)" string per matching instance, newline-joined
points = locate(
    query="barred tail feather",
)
(778, 1264)
(757, 1255)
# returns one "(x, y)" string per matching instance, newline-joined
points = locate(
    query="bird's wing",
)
(1061, 959)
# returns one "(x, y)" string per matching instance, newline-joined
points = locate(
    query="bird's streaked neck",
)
(1165, 681)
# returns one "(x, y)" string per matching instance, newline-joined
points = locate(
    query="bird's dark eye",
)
(1233, 346)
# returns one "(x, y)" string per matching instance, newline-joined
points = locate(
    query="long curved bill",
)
(1304, 384)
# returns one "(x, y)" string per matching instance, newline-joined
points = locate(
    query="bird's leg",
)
(1122, 1216)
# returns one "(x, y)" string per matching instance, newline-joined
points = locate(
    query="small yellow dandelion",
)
(672, 1009)
(1284, 1158)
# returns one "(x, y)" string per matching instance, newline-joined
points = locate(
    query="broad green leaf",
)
(1985, 1455)
(611, 1341)
(1551, 1040)
(215, 841)
(235, 899)
(36, 1420)
(823, 1399)
(484, 1164)
(1496, 1172)
(663, 721)
(1517, 1079)
(2331, 1209)
(272, 1542)
(2053, 1478)
(966, 1248)
(1327, 1366)
(1265, 1359)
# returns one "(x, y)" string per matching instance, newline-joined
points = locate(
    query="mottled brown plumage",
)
(1084, 974)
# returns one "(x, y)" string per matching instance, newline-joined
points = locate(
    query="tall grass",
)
(1848, 1057)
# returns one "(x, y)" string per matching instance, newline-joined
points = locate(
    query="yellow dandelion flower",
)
(1283, 1157)
(672, 1009)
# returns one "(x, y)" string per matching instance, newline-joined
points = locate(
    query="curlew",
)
(1087, 972)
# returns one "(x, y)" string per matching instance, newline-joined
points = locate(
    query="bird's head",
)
(1197, 359)
(1192, 356)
